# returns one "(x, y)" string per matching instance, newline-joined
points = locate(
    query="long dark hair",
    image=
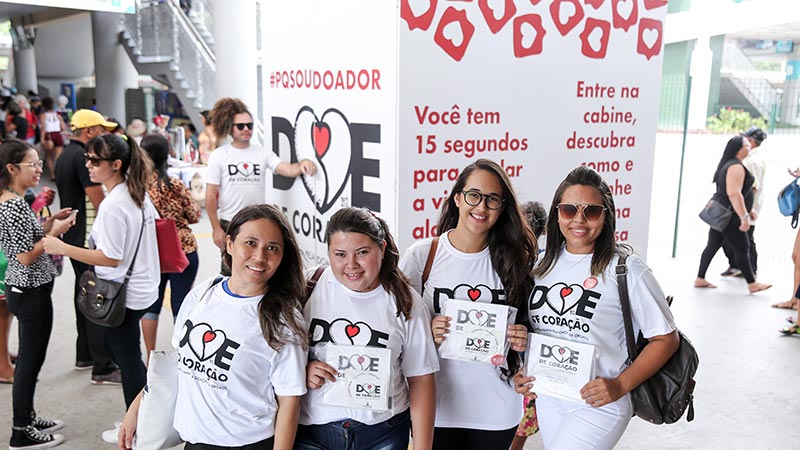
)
(281, 304)
(731, 149)
(512, 246)
(12, 151)
(605, 247)
(136, 165)
(157, 147)
(361, 220)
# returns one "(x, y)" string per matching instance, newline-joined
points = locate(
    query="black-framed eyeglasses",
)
(240, 126)
(34, 165)
(96, 160)
(591, 213)
(473, 197)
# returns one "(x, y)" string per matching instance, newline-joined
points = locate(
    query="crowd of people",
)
(268, 327)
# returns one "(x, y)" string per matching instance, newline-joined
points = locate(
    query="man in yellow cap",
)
(77, 191)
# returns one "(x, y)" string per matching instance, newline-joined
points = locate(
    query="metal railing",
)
(737, 67)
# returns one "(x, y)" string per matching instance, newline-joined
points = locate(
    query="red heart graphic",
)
(479, 342)
(209, 336)
(352, 330)
(594, 3)
(652, 48)
(479, 315)
(652, 4)
(245, 165)
(423, 21)
(561, 350)
(535, 2)
(473, 294)
(572, 22)
(321, 138)
(586, 47)
(535, 21)
(452, 15)
(496, 25)
(633, 13)
(360, 358)
(566, 291)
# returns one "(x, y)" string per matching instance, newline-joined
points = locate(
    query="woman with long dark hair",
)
(735, 191)
(484, 253)
(247, 333)
(579, 269)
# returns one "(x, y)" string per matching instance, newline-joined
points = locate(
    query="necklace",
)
(10, 189)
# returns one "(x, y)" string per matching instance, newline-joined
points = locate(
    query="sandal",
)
(791, 331)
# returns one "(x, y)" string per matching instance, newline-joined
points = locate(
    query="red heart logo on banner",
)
(596, 4)
(594, 38)
(650, 37)
(496, 25)
(524, 44)
(653, 4)
(566, 14)
(321, 138)
(454, 33)
(422, 21)
(626, 13)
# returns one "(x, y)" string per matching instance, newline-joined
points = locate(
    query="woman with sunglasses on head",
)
(123, 229)
(735, 191)
(484, 254)
(246, 394)
(364, 299)
(581, 257)
(29, 285)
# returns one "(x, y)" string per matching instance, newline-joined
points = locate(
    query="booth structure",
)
(393, 99)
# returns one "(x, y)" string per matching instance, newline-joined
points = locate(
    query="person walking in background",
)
(207, 140)
(172, 200)
(52, 141)
(756, 165)
(78, 192)
(29, 286)
(734, 190)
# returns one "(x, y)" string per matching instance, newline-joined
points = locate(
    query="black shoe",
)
(46, 425)
(112, 378)
(29, 438)
(83, 365)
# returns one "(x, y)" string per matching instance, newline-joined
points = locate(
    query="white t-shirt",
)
(241, 176)
(228, 375)
(758, 167)
(569, 303)
(469, 395)
(51, 122)
(116, 232)
(341, 316)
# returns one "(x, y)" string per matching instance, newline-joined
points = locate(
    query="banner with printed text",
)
(540, 87)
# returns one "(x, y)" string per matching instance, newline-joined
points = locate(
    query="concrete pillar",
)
(235, 48)
(25, 70)
(113, 70)
(791, 93)
(702, 59)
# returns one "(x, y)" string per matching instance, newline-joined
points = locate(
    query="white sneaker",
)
(112, 436)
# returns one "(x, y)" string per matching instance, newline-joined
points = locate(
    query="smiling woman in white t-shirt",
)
(484, 254)
(364, 300)
(576, 298)
(241, 344)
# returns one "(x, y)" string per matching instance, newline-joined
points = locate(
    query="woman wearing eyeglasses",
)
(237, 171)
(576, 299)
(124, 228)
(484, 254)
(29, 285)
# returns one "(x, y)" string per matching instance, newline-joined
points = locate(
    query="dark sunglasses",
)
(240, 126)
(96, 160)
(592, 213)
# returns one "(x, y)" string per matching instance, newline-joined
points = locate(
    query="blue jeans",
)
(391, 434)
(180, 283)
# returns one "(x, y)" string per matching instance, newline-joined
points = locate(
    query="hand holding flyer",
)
(363, 379)
(477, 332)
(561, 367)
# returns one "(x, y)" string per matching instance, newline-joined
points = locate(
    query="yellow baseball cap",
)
(85, 118)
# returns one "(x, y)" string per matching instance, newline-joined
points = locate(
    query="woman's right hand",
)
(128, 428)
(318, 372)
(440, 328)
(744, 226)
(523, 384)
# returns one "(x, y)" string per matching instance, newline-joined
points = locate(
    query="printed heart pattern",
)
(563, 298)
(345, 332)
(455, 31)
(560, 353)
(477, 317)
(205, 341)
(327, 142)
(360, 362)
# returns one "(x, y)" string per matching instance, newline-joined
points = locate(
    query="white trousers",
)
(569, 425)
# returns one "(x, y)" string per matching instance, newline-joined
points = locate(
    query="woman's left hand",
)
(602, 391)
(518, 337)
(53, 245)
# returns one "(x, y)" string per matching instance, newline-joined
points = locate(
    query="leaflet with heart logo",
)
(477, 332)
(561, 367)
(364, 377)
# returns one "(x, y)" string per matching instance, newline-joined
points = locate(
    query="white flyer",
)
(364, 378)
(561, 367)
(477, 332)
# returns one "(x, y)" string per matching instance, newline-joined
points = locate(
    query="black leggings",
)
(469, 439)
(740, 243)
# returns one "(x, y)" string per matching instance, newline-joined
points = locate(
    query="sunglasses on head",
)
(592, 213)
(96, 160)
(240, 126)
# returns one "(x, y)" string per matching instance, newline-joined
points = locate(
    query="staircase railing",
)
(756, 89)
(201, 15)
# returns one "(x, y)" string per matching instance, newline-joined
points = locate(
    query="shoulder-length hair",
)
(605, 247)
(12, 151)
(223, 112)
(157, 148)
(279, 310)
(361, 220)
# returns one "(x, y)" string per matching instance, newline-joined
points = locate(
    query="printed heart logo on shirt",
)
(416, 14)
(360, 362)
(244, 169)
(474, 294)
(566, 14)
(327, 142)
(563, 298)
(454, 33)
(528, 35)
(205, 341)
(345, 332)
(478, 317)
(560, 353)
